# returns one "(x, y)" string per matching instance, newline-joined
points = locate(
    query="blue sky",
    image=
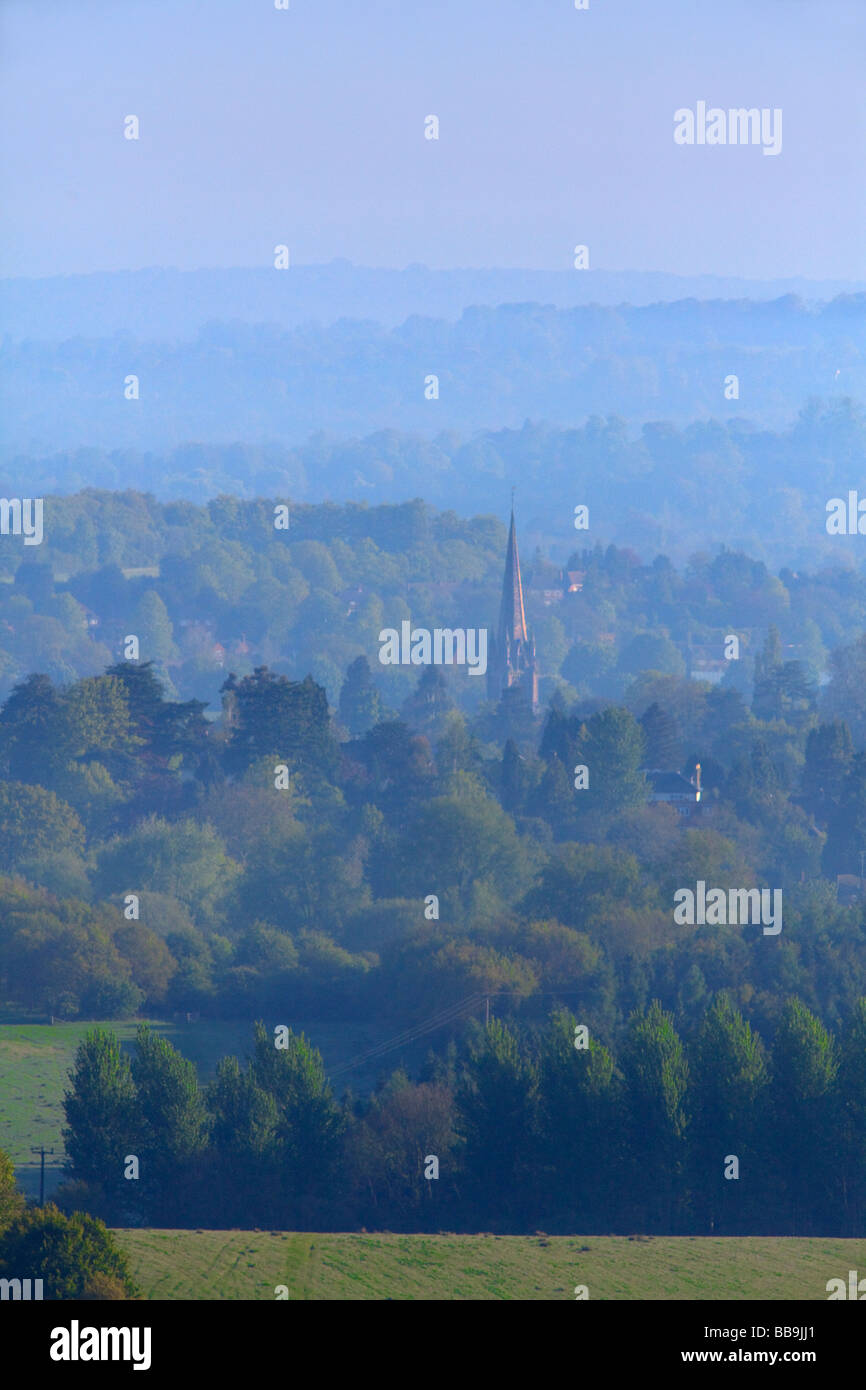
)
(306, 127)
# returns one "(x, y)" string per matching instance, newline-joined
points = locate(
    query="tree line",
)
(539, 1127)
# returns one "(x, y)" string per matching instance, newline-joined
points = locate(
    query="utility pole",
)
(487, 1012)
(42, 1151)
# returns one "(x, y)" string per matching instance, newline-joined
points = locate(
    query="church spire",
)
(512, 616)
(513, 650)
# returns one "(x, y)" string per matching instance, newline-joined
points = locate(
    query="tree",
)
(554, 799)
(656, 1080)
(579, 1099)
(397, 765)
(244, 1144)
(843, 696)
(456, 842)
(144, 694)
(426, 708)
(729, 1077)
(403, 1125)
(511, 778)
(661, 738)
(183, 859)
(580, 878)
(272, 716)
(309, 1129)
(72, 1255)
(360, 702)
(611, 746)
(28, 727)
(805, 1066)
(852, 1117)
(846, 831)
(171, 1124)
(766, 701)
(100, 1113)
(152, 625)
(829, 751)
(651, 651)
(94, 719)
(11, 1200)
(32, 819)
(497, 1117)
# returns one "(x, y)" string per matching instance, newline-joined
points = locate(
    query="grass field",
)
(250, 1264)
(35, 1059)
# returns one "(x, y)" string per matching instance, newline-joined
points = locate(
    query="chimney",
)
(698, 780)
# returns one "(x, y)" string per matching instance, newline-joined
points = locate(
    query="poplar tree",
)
(729, 1076)
(656, 1079)
(805, 1067)
(100, 1108)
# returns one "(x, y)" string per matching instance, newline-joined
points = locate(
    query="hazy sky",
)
(306, 127)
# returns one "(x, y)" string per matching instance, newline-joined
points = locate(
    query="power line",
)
(438, 1020)
(429, 1025)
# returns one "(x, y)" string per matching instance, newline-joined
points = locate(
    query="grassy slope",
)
(249, 1264)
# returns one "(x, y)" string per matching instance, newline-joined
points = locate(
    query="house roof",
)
(669, 783)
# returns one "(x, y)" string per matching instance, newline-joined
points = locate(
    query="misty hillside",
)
(162, 302)
(659, 487)
(494, 367)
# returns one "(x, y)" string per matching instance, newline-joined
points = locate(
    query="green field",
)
(250, 1264)
(35, 1059)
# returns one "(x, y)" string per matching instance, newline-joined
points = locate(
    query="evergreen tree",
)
(29, 725)
(661, 738)
(360, 702)
(767, 697)
(144, 694)
(511, 778)
(276, 717)
(430, 702)
(846, 831)
(554, 800)
(829, 751)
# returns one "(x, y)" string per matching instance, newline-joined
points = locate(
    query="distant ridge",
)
(167, 303)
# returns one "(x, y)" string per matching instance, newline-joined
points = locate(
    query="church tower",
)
(511, 660)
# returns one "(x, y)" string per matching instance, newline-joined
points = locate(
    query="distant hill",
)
(166, 303)
(658, 488)
(235, 381)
